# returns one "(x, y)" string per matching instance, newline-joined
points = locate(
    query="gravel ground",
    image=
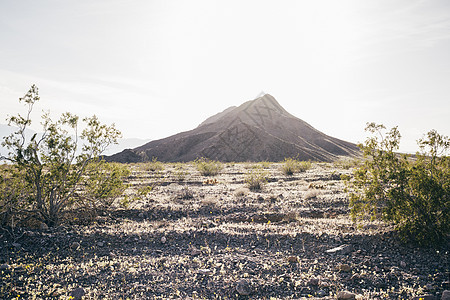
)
(193, 239)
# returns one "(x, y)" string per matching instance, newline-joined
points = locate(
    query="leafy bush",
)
(105, 183)
(413, 194)
(256, 179)
(46, 171)
(208, 167)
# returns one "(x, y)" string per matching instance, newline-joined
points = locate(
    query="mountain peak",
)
(257, 130)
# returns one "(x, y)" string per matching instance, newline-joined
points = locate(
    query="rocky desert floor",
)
(197, 237)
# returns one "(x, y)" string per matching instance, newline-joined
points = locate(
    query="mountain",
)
(257, 130)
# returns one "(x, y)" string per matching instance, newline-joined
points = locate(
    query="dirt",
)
(194, 238)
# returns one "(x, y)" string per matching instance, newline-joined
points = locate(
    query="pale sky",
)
(156, 68)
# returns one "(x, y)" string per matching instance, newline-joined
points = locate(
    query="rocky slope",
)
(257, 130)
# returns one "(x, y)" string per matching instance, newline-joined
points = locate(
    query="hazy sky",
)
(156, 68)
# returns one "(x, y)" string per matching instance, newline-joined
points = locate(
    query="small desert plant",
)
(413, 195)
(154, 165)
(347, 163)
(265, 164)
(290, 166)
(180, 173)
(208, 167)
(185, 194)
(241, 192)
(303, 166)
(256, 179)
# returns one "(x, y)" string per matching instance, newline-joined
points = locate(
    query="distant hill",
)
(257, 130)
(124, 143)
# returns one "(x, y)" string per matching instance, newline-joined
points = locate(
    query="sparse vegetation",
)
(175, 237)
(412, 194)
(304, 166)
(208, 167)
(154, 165)
(290, 166)
(348, 163)
(256, 179)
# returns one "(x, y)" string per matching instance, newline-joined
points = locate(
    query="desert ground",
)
(198, 237)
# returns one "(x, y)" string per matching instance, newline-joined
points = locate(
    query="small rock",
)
(292, 259)
(243, 287)
(446, 295)
(402, 264)
(163, 240)
(16, 245)
(75, 245)
(141, 215)
(77, 293)
(4, 267)
(43, 226)
(314, 282)
(321, 293)
(424, 297)
(195, 251)
(100, 244)
(344, 268)
(343, 249)
(344, 295)
(204, 271)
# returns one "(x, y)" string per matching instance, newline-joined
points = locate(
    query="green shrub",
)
(48, 169)
(105, 183)
(256, 179)
(154, 165)
(303, 166)
(208, 167)
(290, 166)
(412, 194)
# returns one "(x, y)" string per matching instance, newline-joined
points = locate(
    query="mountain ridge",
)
(259, 129)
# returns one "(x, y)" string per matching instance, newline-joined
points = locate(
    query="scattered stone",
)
(163, 240)
(344, 268)
(16, 245)
(204, 271)
(424, 297)
(446, 295)
(243, 287)
(77, 293)
(292, 259)
(345, 295)
(321, 293)
(314, 281)
(195, 251)
(343, 249)
(4, 267)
